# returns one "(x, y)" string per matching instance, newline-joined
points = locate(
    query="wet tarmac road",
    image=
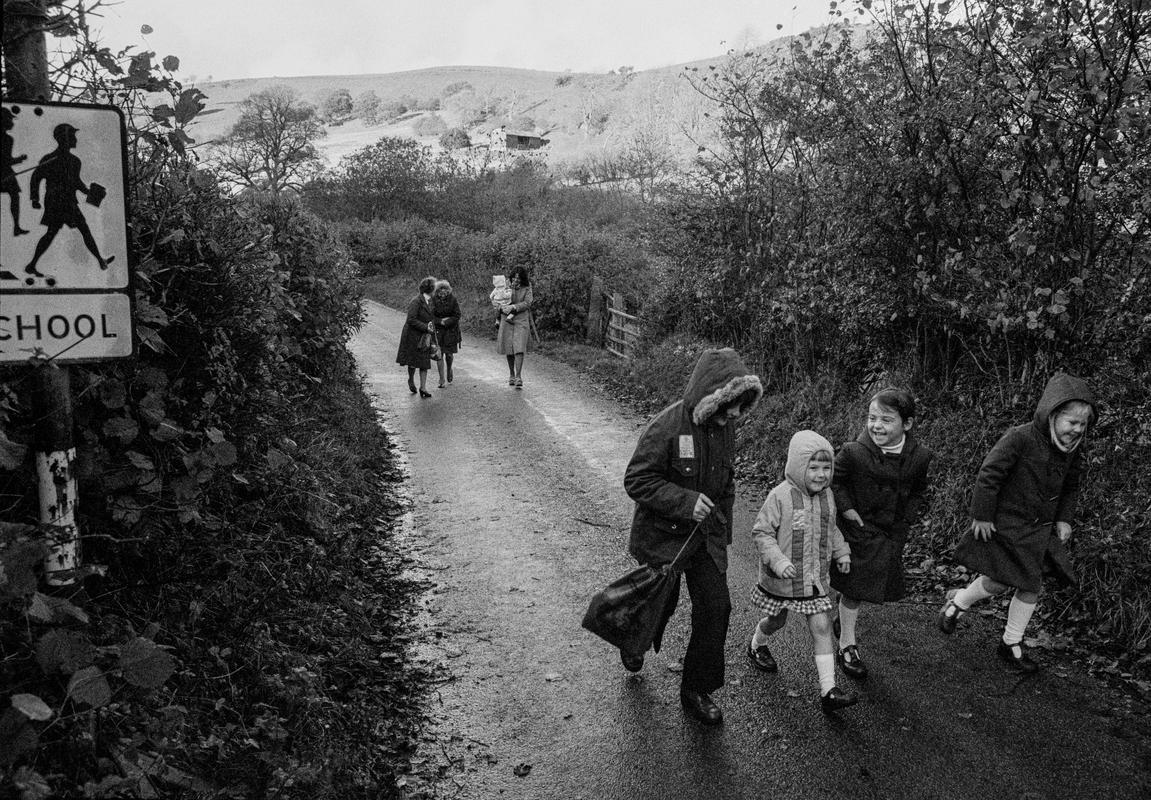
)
(520, 510)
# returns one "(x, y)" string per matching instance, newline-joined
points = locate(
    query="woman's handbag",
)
(632, 610)
(427, 346)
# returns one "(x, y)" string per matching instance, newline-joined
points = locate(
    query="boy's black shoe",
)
(851, 664)
(701, 707)
(761, 658)
(836, 699)
(1020, 663)
(949, 615)
(631, 663)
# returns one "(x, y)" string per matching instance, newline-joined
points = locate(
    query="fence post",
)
(595, 312)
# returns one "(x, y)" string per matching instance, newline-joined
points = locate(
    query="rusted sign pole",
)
(26, 78)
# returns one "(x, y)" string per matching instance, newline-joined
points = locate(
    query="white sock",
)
(759, 638)
(847, 618)
(825, 665)
(972, 593)
(1018, 615)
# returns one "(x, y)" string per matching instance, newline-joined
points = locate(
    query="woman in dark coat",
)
(420, 321)
(515, 325)
(446, 311)
(880, 482)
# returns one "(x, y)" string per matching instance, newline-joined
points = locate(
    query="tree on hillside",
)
(455, 139)
(387, 178)
(338, 107)
(272, 146)
(367, 107)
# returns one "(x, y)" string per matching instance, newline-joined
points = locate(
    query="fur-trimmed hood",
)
(718, 378)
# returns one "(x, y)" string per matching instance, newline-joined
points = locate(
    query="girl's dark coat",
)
(887, 491)
(446, 310)
(416, 325)
(1025, 485)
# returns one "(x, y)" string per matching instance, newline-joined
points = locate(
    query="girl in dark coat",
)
(879, 484)
(1021, 509)
(446, 311)
(420, 321)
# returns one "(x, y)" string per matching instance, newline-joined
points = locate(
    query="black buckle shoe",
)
(761, 658)
(701, 707)
(850, 662)
(1020, 663)
(836, 699)
(631, 663)
(949, 615)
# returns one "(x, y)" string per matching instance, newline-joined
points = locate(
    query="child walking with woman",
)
(797, 539)
(1021, 508)
(879, 485)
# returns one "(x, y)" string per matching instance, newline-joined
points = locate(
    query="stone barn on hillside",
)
(504, 141)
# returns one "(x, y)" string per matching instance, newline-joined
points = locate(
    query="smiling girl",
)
(880, 482)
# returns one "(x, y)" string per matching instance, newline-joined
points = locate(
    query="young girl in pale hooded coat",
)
(797, 539)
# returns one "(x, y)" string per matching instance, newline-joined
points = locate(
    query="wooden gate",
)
(623, 329)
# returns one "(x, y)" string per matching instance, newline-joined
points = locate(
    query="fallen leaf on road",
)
(553, 676)
(521, 770)
(674, 666)
(965, 715)
(792, 693)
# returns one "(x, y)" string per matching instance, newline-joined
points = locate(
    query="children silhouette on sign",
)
(9, 185)
(60, 172)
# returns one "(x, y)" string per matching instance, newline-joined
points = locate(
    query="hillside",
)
(582, 114)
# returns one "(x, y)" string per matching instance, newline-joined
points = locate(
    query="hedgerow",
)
(238, 629)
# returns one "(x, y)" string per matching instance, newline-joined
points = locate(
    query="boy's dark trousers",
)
(710, 612)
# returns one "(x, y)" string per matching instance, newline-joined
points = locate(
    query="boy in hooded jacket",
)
(682, 475)
(1022, 508)
(797, 538)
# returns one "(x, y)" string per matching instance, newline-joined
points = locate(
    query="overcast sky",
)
(262, 38)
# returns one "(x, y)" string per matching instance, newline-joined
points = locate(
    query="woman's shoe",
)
(700, 706)
(425, 394)
(412, 386)
(449, 373)
(442, 385)
(519, 383)
(512, 380)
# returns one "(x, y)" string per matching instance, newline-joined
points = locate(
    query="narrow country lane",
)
(518, 497)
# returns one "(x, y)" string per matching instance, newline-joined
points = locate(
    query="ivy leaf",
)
(11, 453)
(171, 63)
(113, 394)
(167, 431)
(141, 461)
(62, 650)
(32, 707)
(89, 686)
(144, 664)
(122, 429)
(46, 608)
(222, 453)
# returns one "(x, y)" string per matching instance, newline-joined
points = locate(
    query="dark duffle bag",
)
(632, 610)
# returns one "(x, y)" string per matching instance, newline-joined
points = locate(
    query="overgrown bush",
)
(229, 476)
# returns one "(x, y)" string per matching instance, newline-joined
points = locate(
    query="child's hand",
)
(1064, 530)
(844, 564)
(853, 515)
(789, 571)
(703, 507)
(982, 529)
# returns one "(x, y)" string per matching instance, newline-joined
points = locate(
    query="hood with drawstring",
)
(802, 447)
(1060, 390)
